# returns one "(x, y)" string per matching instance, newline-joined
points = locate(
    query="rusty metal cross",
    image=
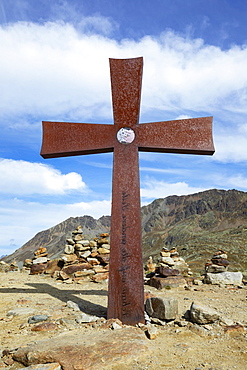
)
(125, 138)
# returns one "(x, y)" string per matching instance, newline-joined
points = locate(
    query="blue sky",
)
(54, 66)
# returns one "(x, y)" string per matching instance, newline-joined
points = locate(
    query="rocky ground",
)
(64, 339)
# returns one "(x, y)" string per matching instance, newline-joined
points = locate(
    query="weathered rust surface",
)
(126, 286)
(126, 137)
(63, 139)
(188, 136)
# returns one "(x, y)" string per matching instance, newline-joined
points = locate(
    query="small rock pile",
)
(171, 259)
(38, 264)
(218, 262)
(5, 267)
(169, 271)
(216, 271)
(83, 258)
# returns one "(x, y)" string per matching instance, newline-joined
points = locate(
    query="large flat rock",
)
(227, 278)
(94, 350)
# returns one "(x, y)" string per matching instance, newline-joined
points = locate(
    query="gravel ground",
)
(191, 347)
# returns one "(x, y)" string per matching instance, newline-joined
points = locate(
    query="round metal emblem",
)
(126, 135)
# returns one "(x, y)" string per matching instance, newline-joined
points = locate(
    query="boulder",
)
(227, 278)
(171, 281)
(201, 314)
(162, 308)
(113, 349)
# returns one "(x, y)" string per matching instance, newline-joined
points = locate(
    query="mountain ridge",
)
(196, 224)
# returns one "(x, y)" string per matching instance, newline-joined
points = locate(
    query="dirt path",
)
(190, 347)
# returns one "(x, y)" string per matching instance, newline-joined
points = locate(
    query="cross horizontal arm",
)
(63, 139)
(189, 136)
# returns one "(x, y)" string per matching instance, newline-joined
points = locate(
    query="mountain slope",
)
(196, 224)
(54, 239)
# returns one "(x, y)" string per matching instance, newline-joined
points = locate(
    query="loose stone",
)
(37, 318)
(45, 326)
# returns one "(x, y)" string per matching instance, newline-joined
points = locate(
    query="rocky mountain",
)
(196, 224)
(54, 239)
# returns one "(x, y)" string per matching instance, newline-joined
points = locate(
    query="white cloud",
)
(26, 178)
(56, 70)
(21, 220)
(236, 181)
(231, 144)
(154, 189)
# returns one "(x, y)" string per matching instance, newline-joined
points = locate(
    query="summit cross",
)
(125, 138)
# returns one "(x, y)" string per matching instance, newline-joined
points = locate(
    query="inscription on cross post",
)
(125, 138)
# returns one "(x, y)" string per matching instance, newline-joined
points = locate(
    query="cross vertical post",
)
(126, 267)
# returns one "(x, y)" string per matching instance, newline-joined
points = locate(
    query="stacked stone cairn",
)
(218, 262)
(5, 267)
(39, 262)
(216, 271)
(170, 271)
(83, 258)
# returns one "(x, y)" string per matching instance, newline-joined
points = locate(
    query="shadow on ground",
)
(86, 306)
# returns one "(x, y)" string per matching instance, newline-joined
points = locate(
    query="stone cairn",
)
(5, 267)
(82, 259)
(85, 258)
(39, 262)
(218, 262)
(216, 271)
(170, 270)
